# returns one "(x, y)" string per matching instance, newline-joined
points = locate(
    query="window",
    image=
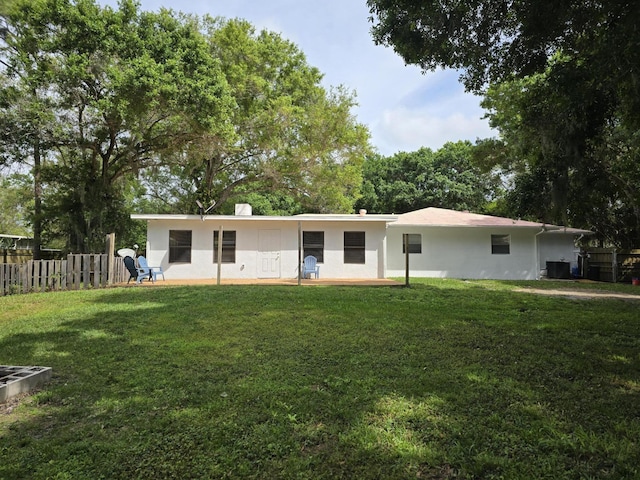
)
(354, 247)
(313, 244)
(228, 246)
(415, 243)
(500, 244)
(179, 246)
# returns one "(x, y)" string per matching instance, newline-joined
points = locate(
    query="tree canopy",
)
(567, 165)
(494, 40)
(16, 204)
(292, 135)
(407, 181)
(102, 104)
(561, 83)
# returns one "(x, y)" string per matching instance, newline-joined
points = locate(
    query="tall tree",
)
(125, 87)
(561, 80)
(573, 162)
(26, 120)
(548, 121)
(293, 136)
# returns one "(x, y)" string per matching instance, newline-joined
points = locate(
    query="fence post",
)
(96, 270)
(614, 265)
(23, 278)
(64, 274)
(86, 270)
(405, 239)
(73, 273)
(111, 242)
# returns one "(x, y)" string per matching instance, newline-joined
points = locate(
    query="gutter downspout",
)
(537, 270)
(580, 263)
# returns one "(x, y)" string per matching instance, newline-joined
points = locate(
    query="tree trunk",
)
(37, 193)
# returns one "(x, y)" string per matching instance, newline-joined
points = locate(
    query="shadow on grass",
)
(442, 380)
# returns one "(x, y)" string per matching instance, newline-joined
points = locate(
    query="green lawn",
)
(446, 379)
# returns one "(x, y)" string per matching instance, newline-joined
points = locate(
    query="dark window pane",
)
(354, 247)
(313, 244)
(228, 246)
(179, 246)
(354, 239)
(500, 244)
(415, 243)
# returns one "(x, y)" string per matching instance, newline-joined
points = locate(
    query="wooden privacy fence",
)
(15, 256)
(609, 265)
(74, 273)
(9, 255)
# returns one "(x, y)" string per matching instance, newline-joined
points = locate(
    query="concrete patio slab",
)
(277, 281)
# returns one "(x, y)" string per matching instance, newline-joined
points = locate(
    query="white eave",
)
(425, 218)
(263, 218)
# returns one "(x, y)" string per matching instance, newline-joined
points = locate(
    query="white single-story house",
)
(442, 243)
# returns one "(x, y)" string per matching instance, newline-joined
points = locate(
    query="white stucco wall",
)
(248, 259)
(463, 252)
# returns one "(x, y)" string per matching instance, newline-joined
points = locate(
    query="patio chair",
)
(137, 273)
(310, 267)
(130, 264)
(145, 269)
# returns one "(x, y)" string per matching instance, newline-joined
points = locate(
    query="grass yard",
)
(446, 379)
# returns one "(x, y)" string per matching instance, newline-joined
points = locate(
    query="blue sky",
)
(403, 108)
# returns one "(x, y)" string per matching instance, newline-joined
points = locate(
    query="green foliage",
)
(16, 204)
(561, 80)
(493, 41)
(95, 99)
(293, 136)
(447, 379)
(271, 203)
(446, 178)
(572, 159)
(116, 89)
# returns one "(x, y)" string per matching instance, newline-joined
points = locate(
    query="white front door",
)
(269, 254)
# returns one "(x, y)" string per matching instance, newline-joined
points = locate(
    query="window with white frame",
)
(415, 243)
(500, 244)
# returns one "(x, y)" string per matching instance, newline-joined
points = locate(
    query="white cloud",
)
(405, 129)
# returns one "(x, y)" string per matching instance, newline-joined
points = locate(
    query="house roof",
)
(441, 217)
(427, 217)
(265, 218)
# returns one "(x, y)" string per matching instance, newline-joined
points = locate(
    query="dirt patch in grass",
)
(580, 294)
(12, 402)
